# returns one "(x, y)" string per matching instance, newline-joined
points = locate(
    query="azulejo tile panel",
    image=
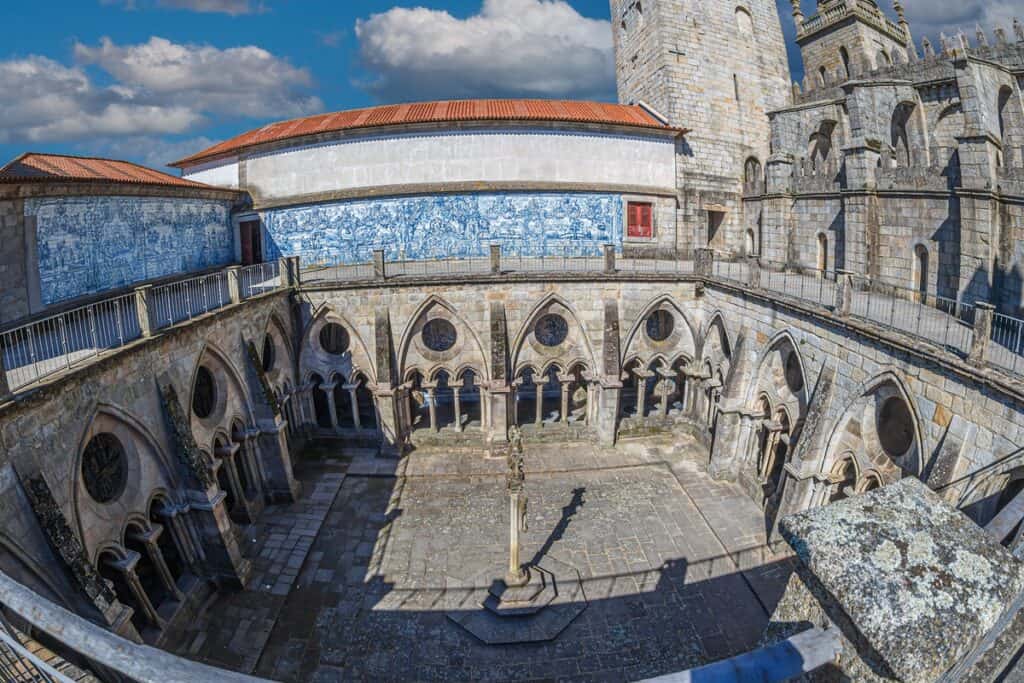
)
(457, 225)
(91, 244)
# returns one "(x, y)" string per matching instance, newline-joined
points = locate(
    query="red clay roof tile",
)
(34, 167)
(434, 112)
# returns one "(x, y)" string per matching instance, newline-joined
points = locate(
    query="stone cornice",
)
(454, 188)
(69, 188)
(847, 11)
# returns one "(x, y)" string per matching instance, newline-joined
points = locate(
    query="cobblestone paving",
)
(234, 630)
(660, 573)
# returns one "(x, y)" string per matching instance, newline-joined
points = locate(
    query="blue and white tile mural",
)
(91, 244)
(457, 225)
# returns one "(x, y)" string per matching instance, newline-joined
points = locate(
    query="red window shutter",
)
(639, 220)
(645, 218)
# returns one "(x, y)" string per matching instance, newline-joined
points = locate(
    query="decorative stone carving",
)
(67, 545)
(439, 335)
(551, 330)
(268, 392)
(188, 452)
(104, 468)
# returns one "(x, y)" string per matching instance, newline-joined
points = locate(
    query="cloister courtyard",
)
(356, 580)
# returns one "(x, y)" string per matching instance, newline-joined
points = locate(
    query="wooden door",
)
(252, 251)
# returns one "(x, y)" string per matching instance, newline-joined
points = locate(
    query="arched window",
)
(751, 244)
(820, 146)
(753, 176)
(845, 56)
(1011, 126)
(822, 77)
(907, 136)
(744, 22)
(883, 60)
(822, 253)
(920, 273)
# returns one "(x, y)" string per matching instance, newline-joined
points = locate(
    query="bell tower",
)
(715, 67)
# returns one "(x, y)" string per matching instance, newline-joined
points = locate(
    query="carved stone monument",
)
(535, 601)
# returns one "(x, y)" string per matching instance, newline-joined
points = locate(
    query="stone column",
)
(704, 260)
(495, 259)
(351, 388)
(126, 568)
(566, 387)
(606, 410)
(156, 556)
(754, 269)
(143, 310)
(641, 391)
(234, 286)
(982, 332)
(379, 271)
(328, 390)
(664, 389)
(181, 536)
(227, 458)
(844, 292)
(428, 392)
(609, 259)
(269, 447)
(539, 408)
(458, 409)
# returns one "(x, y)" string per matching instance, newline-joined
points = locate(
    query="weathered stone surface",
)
(913, 583)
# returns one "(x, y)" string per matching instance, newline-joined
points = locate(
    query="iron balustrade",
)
(41, 348)
(1008, 351)
(188, 299)
(38, 349)
(19, 664)
(259, 278)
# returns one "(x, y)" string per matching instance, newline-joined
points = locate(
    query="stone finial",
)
(1018, 30)
(962, 43)
(798, 14)
(980, 34)
(929, 51)
(947, 47)
(797, 90)
(1000, 34)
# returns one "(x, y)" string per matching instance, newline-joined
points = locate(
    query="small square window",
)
(639, 220)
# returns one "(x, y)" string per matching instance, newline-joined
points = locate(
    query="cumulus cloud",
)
(159, 87)
(930, 18)
(244, 80)
(232, 7)
(511, 48)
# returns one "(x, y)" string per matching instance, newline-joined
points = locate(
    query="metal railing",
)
(78, 638)
(56, 343)
(944, 322)
(817, 286)
(188, 299)
(1008, 350)
(38, 349)
(438, 267)
(259, 278)
(18, 664)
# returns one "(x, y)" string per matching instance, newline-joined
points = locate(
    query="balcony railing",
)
(36, 350)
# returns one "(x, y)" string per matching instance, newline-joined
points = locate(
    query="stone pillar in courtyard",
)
(499, 391)
(915, 590)
(156, 556)
(609, 382)
(218, 535)
(271, 440)
(727, 446)
(390, 396)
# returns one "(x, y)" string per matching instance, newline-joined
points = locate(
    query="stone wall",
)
(89, 244)
(44, 432)
(14, 298)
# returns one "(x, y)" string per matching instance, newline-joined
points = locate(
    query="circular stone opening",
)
(334, 339)
(439, 335)
(551, 329)
(895, 427)
(268, 354)
(104, 468)
(660, 325)
(204, 395)
(794, 375)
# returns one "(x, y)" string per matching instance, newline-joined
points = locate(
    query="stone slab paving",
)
(234, 628)
(369, 600)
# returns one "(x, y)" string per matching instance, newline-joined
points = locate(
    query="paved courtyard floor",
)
(350, 583)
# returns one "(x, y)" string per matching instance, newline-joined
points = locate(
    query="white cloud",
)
(243, 80)
(231, 7)
(154, 152)
(541, 48)
(158, 87)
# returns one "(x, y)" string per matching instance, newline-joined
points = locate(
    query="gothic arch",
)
(413, 353)
(231, 394)
(856, 430)
(681, 340)
(147, 467)
(285, 366)
(716, 325)
(528, 352)
(783, 347)
(313, 359)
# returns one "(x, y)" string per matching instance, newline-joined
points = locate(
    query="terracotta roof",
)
(435, 112)
(34, 167)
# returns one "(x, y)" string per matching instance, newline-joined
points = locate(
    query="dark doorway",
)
(252, 248)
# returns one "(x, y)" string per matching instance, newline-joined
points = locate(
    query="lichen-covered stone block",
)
(913, 584)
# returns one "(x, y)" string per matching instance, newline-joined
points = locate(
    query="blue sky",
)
(154, 80)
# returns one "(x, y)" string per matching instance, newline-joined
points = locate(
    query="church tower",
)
(715, 67)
